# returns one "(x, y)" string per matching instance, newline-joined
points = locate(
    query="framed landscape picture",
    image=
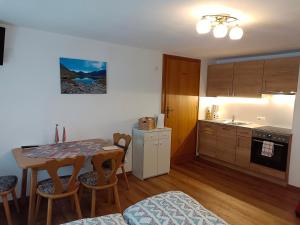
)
(78, 76)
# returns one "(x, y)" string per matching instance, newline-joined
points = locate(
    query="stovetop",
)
(270, 133)
(275, 130)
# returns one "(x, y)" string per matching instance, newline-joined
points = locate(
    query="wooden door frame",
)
(164, 69)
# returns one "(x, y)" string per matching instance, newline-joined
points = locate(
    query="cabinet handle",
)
(243, 133)
(262, 142)
(225, 128)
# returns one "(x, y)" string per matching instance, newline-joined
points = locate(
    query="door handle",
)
(168, 110)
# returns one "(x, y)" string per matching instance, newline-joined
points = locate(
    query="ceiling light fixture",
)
(220, 25)
(203, 26)
(220, 30)
(236, 33)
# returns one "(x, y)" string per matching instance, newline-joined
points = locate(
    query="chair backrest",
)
(53, 166)
(107, 176)
(118, 138)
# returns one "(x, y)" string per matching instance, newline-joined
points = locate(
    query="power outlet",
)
(261, 118)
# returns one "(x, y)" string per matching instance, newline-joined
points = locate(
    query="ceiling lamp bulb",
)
(236, 33)
(203, 26)
(220, 30)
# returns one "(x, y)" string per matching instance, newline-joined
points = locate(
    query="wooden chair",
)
(60, 187)
(126, 139)
(8, 186)
(103, 178)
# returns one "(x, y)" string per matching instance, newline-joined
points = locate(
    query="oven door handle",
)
(256, 140)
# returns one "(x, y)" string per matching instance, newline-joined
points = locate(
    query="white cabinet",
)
(151, 150)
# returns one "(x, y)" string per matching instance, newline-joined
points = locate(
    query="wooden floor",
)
(239, 199)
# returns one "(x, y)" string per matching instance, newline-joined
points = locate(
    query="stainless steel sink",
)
(235, 123)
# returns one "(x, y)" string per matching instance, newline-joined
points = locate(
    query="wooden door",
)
(219, 80)
(180, 102)
(207, 138)
(247, 80)
(226, 143)
(281, 75)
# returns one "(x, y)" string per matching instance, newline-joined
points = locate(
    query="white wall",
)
(274, 110)
(294, 175)
(31, 103)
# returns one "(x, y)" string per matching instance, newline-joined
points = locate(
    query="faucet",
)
(233, 119)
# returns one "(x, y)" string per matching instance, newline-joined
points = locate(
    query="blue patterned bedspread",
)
(112, 219)
(170, 208)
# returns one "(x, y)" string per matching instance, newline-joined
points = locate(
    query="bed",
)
(169, 208)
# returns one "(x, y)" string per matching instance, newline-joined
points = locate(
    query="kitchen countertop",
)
(224, 122)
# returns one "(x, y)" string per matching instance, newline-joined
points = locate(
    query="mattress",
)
(170, 208)
(112, 219)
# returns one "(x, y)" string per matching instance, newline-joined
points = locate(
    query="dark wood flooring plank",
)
(238, 198)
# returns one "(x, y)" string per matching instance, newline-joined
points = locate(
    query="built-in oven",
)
(280, 145)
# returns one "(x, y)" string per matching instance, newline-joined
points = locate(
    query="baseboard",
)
(127, 173)
(293, 188)
(180, 159)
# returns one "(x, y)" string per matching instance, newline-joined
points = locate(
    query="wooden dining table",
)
(36, 164)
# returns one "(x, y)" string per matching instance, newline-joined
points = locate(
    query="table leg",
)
(24, 187)
(32, 197)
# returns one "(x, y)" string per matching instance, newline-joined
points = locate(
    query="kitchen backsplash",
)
(275, 110)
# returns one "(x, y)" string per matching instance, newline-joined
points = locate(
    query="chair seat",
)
(47, 186)
(7, 182)
(91, 178)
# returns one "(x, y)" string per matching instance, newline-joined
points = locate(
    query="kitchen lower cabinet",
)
(230, 146)
(151, 150)
(243, 147)
(226, 143)
(207, 138)
(243, 151)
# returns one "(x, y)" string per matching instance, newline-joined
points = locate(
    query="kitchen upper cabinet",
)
(243, 147)
(281, 75)
(219, 80)
(252, 78)
(207, 138)
(226, 143)
(247, 81)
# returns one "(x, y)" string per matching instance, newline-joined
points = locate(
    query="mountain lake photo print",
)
(79, 76)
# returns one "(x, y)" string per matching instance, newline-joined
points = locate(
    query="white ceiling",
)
(165, 25)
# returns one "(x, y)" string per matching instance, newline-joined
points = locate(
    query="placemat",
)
(68, 149)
